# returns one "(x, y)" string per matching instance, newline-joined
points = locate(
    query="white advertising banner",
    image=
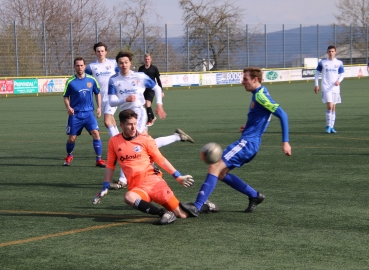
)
(208, 79)
(51, 85)
(186, 80)
(166, 80)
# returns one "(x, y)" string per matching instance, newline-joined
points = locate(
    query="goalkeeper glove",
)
(185, 180)
(102, 193)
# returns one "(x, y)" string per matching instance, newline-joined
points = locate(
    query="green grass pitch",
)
(315, 215)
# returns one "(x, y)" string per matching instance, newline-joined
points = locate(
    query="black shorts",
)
(149, 94)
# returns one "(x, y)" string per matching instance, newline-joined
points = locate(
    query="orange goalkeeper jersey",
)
(135, 157)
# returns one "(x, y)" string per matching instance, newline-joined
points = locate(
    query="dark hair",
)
(100, 44)
(254, 72)
(124, 54)
(78, 59)
(126, 114)
(331, 47)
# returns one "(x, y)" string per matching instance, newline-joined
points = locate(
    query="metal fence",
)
(41, 52)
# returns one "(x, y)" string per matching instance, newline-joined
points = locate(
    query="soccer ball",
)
(211, 153)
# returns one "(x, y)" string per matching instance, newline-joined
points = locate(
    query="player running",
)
(102, 69)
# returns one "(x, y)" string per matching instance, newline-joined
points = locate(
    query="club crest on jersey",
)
(137, 149)
(134, 83)
(108, 67)
(89, 85)
(252, 105)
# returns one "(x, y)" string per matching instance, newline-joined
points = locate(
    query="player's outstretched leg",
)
(254, 197)
(184, 137)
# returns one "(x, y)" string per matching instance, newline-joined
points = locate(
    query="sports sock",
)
(205, 190)
(150, 114)
(333, 119)
(70, 147)
(148, 208)
(328, 115)
(116, 130)
(163, 141)
(98, 149)
(122, 177)
(112, 130)
(239, 185)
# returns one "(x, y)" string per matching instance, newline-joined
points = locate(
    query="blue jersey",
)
(80, 92)
(261, 108)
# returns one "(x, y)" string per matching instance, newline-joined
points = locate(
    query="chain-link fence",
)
(49, 51)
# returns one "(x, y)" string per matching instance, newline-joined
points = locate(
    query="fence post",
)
(266, 45)
(166, 47)
(188, 49)
(317, 41)
(44, 35)
(301, 60)
(229, 67)
(71, 46)
(120, 37)
(284, 44)
(144, 38)
(208, 53)
(247, 46)
(16, 49)
(96, 32)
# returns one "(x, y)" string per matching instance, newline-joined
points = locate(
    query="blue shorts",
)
(81, 120)
(239, 153)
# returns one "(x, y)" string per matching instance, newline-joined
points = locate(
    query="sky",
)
(306, 12)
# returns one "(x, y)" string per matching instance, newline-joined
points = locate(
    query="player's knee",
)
(130, 198)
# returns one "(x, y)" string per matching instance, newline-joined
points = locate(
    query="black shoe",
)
(253, 202)
(190, 208)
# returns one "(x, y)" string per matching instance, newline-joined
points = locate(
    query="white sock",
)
(122, 177)
(328, 116)
(163, 141)
(333, 119)
(116, 130)
(112, 130)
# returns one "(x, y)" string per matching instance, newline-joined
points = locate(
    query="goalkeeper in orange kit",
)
(135, 154)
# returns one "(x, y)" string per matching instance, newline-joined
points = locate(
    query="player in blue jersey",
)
(78, 99)
(332, 75)
(126, 90)
(242, 151)
(102, 69)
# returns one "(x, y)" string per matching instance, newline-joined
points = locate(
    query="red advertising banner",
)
(6, 87)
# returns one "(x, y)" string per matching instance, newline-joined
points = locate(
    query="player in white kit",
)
(126, 90)
(332, 75)
(102, 69)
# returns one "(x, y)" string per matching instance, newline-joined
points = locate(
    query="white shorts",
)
(107, 109)
(141, 118)
(329, 96)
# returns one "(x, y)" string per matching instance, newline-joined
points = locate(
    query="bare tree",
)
(214, 24)
(51, 22)
(353, 20)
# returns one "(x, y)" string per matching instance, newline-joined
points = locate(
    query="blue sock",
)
(205, 190)
(98, 149)
(70, 147)
(239, 185)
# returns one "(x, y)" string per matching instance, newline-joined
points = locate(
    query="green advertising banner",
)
(26, 86)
